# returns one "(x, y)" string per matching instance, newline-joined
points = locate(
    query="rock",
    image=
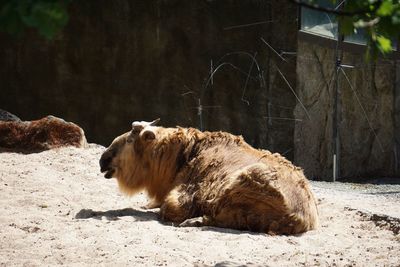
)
(7, 116)
(46, 133)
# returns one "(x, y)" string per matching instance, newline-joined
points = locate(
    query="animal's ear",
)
(137, 127)
(148, 135)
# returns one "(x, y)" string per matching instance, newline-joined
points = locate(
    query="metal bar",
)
(336, 116)
(396, 108)
(335, 127)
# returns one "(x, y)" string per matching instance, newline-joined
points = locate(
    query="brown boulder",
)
(46, 133)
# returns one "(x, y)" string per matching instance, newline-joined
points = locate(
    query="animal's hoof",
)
(193, 222)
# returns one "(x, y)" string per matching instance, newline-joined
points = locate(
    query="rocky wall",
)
(367, 122)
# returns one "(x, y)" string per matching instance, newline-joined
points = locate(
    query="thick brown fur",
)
(215, 176)
(46, 133)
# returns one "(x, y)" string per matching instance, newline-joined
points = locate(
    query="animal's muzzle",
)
(105, 165)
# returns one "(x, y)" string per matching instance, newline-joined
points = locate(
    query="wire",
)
(294, 93)
(363, 109)
(247, 80)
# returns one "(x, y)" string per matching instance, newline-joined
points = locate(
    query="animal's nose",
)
(105, 161)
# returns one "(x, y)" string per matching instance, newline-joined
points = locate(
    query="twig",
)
(363, 110)
(340, 4)
(217, 68)
(279, 55)
(287, 151)
(248, 25)
(241, 53)
(291, 88)
(282, 118)
(247, 80)
(188, 93)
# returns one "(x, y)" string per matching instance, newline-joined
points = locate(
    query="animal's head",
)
(124, 158)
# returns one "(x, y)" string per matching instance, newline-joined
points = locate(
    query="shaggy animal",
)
(7, 116)
(46, 133)
(211, 178)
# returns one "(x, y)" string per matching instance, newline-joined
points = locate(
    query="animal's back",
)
(244, 188)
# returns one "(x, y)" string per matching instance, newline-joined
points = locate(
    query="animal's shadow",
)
(114, 215)
(151, 215)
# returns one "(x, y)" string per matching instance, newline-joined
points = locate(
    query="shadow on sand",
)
(114, 215)
(151, 215)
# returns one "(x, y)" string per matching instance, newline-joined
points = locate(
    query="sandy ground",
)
(56, 208)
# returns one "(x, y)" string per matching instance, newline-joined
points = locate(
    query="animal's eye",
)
(129, 140)
(135, 131)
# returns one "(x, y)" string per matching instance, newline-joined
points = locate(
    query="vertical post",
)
(396, 109)
(336, 104)
(335, 125)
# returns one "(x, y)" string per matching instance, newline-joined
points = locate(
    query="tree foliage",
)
(380, 19)
(47, 16)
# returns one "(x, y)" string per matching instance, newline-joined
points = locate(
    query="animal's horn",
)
(154, 122)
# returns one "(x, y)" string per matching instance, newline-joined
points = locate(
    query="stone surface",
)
(47, 133)
(366, 126)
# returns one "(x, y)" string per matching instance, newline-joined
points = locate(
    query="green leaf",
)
(396, 18)
(10, 20)
(384, 44)
(47, 16)
(386, 8)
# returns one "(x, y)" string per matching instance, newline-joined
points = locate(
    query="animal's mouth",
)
(108, 173)
(106, 165)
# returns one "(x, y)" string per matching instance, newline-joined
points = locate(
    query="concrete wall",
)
(368, 125)
(119, 61)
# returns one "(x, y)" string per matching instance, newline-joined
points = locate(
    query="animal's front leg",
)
(197, 222)
(177, 206)
(152, 205)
